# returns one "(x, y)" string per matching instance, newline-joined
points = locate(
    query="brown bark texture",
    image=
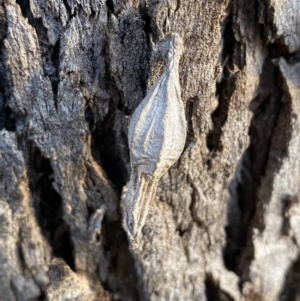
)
(224, 225)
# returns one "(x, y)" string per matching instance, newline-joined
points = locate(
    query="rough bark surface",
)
(225, 221)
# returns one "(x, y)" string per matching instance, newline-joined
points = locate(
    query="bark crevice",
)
(104, 148)
(7, 116)
(99, 60)
(225, 85)
(24, 6)
(48, 208)
(54, 75)
(122, 279)
(271, 110)
(291, 289)
(214, 292)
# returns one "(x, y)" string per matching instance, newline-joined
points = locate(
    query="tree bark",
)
(225, 221)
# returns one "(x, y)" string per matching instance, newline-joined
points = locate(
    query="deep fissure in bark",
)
(288, 201)
(225, 85)
(49, 53)
(49, 208)
(122, 274)
(190, 138)
(110, 6)
(149, 27)
(7, 117)
(24, 6)
(292, 58)
(213, 291)
(104, 142)
(111, 152)
(42, 297)
(267, 108)
(68, 8)
(54, 76)
(291, 289)
(90, 118)
(228, 38)
(122, 277)
(192, 206)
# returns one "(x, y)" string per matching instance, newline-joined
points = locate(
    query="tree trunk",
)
(225, 221)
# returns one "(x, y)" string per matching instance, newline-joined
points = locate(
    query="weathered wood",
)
(224, 224)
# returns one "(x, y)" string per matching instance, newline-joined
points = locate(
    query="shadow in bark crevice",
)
(190, 111)
(291, 288)
(288, 201)
(122, 280)
(48, 207)
(7, 116)
(106, 153)
(54, 76)
(110, 6)
(68, 9)
(150, 28)
(269, 137)
(105, 137)
(109, 146)
(225, 86)
(49, 53)
(214, 292)
(24, 6)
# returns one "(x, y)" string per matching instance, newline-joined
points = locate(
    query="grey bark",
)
(225, 221)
